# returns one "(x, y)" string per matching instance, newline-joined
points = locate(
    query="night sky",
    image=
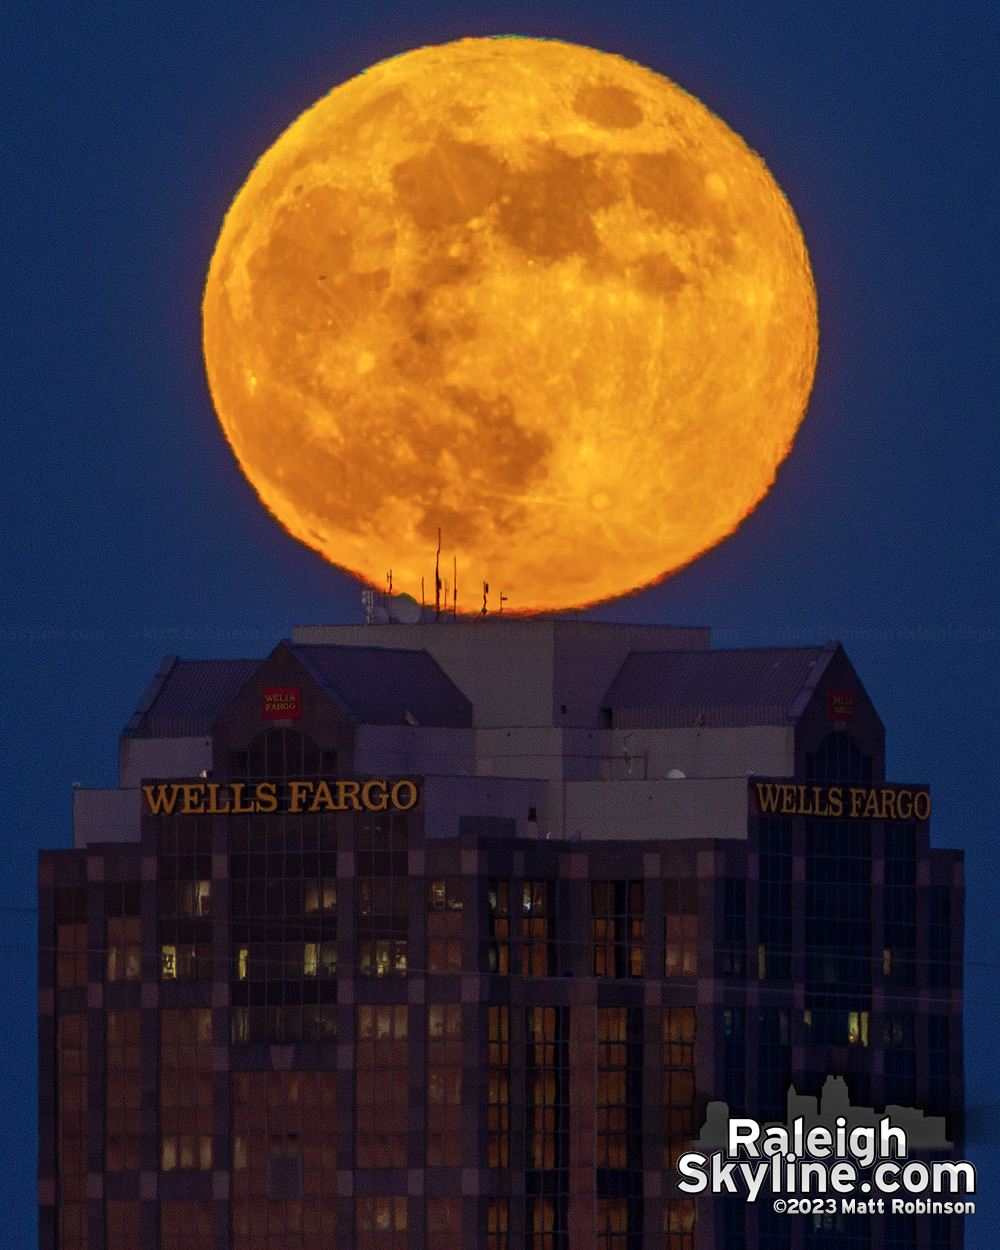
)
(129, 533)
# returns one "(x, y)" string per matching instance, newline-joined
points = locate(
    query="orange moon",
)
(527, 292)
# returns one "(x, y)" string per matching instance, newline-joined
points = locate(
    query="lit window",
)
(498, 898)
(857, 1027)
(680, 926)
(168, 963)
(444, 924)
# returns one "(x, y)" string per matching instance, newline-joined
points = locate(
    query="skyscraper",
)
(447, 933)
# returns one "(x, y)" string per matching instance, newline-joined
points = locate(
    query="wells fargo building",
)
(446, 934)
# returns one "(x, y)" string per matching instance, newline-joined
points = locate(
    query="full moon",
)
(527, 293)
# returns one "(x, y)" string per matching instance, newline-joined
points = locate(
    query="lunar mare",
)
(528, 293)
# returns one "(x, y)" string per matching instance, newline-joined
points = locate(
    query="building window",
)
(284, 1158)
(938, 1066)
(186, 1089)
(546, 1126)
(279, 753)
(545, 1222)
(185, 902)
(618, 928)
(444, 1223)
(498, 898)
(680, 928)
(71, 936)
(284, 940)
(619, 1087)
(774, 1062)
(838, 954)
(498, 1106)
(733, 948)
(612, 1224)
(734, 1058)
(837, 758)
(381, 898)
(122, 1225)
(899, 1061)
(536, 929)
(497, 1219)
(835, 1027)
(444, 924)
(939, 936)
(900, 1233)
(774, 952)
(899, 905)
(444, 1085)
(71, 1130)
(124, 933)
(380, 1223)
(381, 1091)
(186, 1226)
(678, 1082)
(123, 1091)
(678, 1224)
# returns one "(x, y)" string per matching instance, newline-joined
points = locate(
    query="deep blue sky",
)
(129, 533)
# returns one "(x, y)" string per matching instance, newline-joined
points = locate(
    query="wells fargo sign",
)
(854, 802)
(282, 703)
(210, 798)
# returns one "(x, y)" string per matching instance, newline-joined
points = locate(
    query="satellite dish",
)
(405, 610)
(675, 774)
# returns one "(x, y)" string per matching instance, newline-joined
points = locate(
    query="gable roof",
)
(679, 689)
(186, 696)
(382, 686)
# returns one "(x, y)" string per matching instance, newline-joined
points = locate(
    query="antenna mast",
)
(437, 579)
(454, 589)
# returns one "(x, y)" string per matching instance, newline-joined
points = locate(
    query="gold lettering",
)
(904, 796)
(871, 805)
(857, 797)
(788, 800)
(767, 796)
(818, 805)
(803, 810)
(345, 790)
(324, 797)
(366, 796)
(213, 808)
(237, 788)
(922, 805)
(835, 797)
(888, 805)
(297, 791)
(159, 802)
(397, 801)
(267, 796)
(188, 808)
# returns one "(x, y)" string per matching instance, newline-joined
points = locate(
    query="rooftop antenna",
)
(486, 591)
(503, 600)
(421, 592)
(437, 579)
(454, 589)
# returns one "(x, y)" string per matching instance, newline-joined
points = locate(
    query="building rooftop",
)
(680, 689)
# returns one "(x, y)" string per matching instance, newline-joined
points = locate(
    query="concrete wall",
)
(404, 750)
(765, 750)
(162, 757)
(105, 816)
(636, 810)
(447, 799)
